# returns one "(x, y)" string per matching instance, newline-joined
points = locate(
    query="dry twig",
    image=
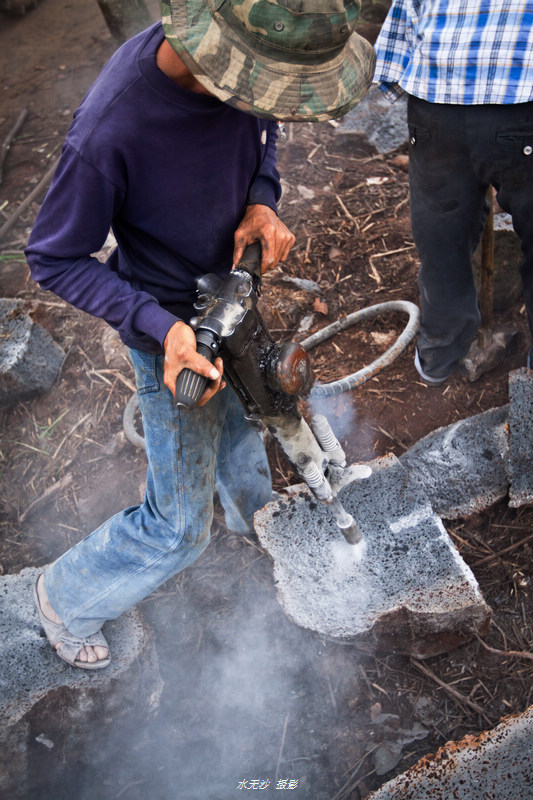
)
(9, 138)
(506, 653)
(52, 490)
(458, 696)
(346, 212)
(283, 735)
(505, 551)
(6, 227)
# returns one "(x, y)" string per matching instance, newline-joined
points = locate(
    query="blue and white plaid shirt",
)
(467, 52)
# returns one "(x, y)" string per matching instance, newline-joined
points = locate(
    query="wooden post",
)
(486, 289)
(125, 18)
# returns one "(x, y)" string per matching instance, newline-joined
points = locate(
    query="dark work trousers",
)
(455, 153)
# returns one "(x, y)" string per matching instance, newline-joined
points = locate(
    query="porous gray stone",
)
(405, 589)
(495, 764)
(38, 691)
(463, 468)
(382, 123)
(30, 360)
(521, 437)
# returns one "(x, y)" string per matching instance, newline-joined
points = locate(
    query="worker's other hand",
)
(180, 353)
(261, 224)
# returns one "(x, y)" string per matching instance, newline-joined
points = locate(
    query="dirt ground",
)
(66, 467)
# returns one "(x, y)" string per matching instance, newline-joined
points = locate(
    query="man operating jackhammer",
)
(173, 148)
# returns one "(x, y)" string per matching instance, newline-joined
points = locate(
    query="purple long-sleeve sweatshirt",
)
(171, 171)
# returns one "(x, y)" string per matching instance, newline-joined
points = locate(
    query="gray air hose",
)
(362, 375)
(335, 387)
(128, 423)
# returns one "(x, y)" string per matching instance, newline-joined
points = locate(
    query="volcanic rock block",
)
(521, 437)
(406, 589)
(383, 124)
(29, 358)
(496, 764)
(463, 467)
(51, 714)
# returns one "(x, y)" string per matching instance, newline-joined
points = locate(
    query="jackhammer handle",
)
(190, 386)
(251, 259)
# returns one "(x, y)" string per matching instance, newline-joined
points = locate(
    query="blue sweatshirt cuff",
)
(155, 321)
(263, 192)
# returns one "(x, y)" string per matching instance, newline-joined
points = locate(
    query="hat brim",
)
(259, 85)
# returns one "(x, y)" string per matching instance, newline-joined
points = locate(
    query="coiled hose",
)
(357, 378)
(335, 387)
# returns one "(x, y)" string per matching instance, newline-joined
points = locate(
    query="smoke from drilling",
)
(249, 698)
(342, 416)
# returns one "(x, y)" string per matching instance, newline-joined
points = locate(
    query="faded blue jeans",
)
(190, 455)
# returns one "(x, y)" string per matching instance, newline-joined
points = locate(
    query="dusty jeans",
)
(190, 454)
(455, 153)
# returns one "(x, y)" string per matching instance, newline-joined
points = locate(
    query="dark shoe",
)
(424, 376)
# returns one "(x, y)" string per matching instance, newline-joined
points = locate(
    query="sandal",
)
(69, 644)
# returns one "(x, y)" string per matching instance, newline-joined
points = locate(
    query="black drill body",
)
(268, 378)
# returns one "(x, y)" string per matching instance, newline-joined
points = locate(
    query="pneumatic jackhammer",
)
(268, 378)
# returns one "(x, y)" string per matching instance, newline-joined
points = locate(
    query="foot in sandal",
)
(91, 652)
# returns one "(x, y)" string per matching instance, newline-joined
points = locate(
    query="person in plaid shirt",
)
(467, 68)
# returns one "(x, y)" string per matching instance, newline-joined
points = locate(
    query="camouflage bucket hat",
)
(280, 59)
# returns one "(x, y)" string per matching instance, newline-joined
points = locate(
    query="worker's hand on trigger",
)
(180, 353)
(261, 224)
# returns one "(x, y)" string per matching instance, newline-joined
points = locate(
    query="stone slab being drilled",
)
(405, 589)
(30, 360)
(496, 764)
(38, 691)
(463, 468)
(521, 437)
